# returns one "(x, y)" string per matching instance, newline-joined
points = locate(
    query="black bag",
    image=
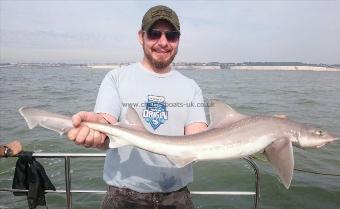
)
(30, 174)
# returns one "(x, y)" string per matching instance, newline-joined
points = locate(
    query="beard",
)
(159, 64)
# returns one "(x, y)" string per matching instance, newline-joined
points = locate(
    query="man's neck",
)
(147, 65)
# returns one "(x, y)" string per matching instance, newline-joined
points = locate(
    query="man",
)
(165, 100)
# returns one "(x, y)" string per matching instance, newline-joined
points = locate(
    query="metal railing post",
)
(68, 183)
(257, 181)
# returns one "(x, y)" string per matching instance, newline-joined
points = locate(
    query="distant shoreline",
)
(262, 68)
(286, 68)
(184, 66)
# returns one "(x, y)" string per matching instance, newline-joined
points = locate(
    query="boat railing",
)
(68, 191)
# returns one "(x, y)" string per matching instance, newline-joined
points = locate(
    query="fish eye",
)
(319, 132)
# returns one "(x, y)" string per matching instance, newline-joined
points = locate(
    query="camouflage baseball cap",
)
(160, 12)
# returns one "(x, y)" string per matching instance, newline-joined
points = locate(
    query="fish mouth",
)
(321, 145)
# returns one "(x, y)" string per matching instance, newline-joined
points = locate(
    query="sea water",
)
(308, 97)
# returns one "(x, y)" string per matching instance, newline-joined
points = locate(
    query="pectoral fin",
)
(280, 155)
(181, 161)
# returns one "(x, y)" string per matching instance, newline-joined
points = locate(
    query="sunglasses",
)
(171, 36)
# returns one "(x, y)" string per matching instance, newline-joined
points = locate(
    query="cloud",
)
(211, 31)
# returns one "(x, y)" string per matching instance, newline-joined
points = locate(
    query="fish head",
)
(310, 137)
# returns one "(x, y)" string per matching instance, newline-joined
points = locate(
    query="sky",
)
(104, 31)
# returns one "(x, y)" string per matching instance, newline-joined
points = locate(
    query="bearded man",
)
(166, 102)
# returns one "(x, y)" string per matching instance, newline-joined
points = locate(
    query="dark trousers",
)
(122, 198)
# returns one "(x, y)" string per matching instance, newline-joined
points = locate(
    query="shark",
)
(230, 135)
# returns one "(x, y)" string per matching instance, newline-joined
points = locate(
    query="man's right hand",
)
(83, 135)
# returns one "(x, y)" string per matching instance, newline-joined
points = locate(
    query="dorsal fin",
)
(223, 115)
(132, 121)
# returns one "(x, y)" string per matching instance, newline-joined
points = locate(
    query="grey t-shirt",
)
(166, 103)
